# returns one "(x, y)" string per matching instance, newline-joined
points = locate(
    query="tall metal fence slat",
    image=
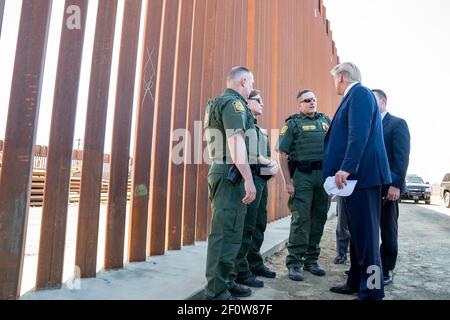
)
(120, 148)
(193, 114)
(163, 115)
(94, 141)
(223, 51)
(274, 107)
(207, 92)
(144, 132)
(179, 114)
(20, 135)
(57, 180)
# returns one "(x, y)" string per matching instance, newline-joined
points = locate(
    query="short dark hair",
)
(302, 92)
(380, 93)
(238, 72)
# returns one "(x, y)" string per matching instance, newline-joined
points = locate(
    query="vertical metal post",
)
(144, 133)
(222, 42)
(179, 114)
(19, 142)
(207, 80)
(120, 149)
(54, 213)
(273, 213)
(163, 115)
(193, 114)
(94, 140)
(251, 34)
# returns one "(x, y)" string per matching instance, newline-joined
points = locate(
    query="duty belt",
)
(314, 165)
(304, 166)
(256, 171)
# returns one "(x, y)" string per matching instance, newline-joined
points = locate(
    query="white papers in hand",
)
(332, 190)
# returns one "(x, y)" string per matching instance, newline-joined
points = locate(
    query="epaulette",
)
(292, 117)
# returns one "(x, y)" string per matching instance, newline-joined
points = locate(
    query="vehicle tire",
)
(447, 199)
(416, 201)
(427, 201)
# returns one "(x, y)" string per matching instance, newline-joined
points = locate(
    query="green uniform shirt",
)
(302, 138)
(225, 115)
(252, 138)
(263, 142)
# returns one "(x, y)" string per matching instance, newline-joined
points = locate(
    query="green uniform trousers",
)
(228, 215)
(249, 256)
(309, 207)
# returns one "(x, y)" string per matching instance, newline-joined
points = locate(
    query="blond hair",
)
(349, 70)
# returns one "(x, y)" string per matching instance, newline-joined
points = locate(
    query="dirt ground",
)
(423, 266)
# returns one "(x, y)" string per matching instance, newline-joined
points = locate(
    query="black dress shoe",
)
(295, 274)
(389, 279)
(315, 269)
(343, 289)
(340, 259)
(251, 281)
(240, 291)
(264, 272)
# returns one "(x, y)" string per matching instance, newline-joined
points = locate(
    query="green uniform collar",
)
(316, 116)
(303, 116)
(229, 91)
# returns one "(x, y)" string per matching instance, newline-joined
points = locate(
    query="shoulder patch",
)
(325, 126)
(238, 106)
(284, 130)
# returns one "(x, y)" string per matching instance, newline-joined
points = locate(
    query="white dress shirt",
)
(350, 87)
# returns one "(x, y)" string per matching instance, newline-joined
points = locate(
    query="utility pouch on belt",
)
(234, 176)
(257, 171)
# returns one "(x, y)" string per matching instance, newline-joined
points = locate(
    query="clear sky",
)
(403, 47)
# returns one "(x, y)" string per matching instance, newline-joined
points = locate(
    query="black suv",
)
(416, 189)
(445, 190)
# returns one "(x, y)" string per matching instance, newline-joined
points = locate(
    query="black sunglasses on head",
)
(259, 100)
(309, 100)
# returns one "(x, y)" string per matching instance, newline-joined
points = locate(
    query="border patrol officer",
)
(225, 124)
(249, 262)
(301, 142)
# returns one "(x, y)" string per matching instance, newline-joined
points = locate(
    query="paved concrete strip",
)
(275, 239)
(175, 276)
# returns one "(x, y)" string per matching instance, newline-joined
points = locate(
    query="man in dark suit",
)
(354, 150)
(397, 142)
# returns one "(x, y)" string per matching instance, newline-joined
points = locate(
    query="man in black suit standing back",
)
(397, 142)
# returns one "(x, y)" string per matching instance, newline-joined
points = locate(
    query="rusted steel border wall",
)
(188, 48)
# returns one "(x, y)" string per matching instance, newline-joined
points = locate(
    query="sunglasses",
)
(309, 100)
(259, 100)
